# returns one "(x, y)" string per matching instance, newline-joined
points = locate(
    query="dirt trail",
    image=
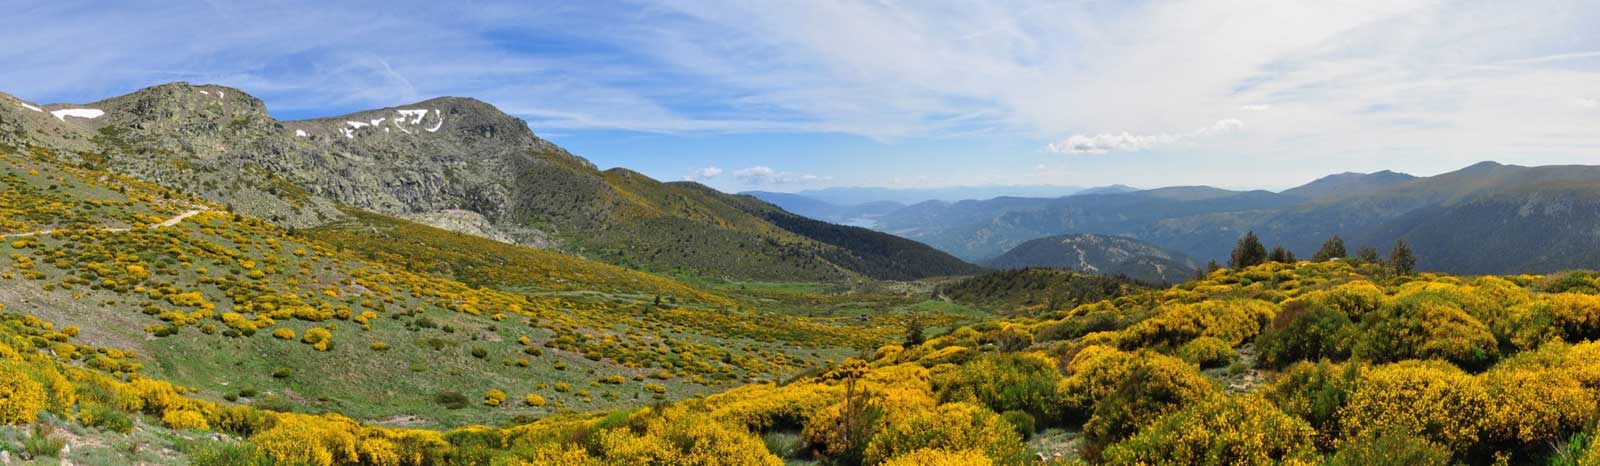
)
(164, 224)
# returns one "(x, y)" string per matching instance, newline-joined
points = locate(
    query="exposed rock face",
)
(220, 143)
(456, 163)
(464, 221)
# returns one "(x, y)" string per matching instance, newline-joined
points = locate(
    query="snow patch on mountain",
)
(412, 116)
(437, 125)
(87, 113)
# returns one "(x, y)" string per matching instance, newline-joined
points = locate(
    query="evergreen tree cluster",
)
(1250, 251)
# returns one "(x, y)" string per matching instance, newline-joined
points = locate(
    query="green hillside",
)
(460, 164)
(377, 318)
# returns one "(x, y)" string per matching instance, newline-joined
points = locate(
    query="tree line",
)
(1250, 251)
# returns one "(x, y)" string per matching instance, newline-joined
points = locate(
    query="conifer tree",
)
(1249, 252)
(1401, 259)
(914, 331)
(1280, 255)
(1333, 249)
(1368, 255)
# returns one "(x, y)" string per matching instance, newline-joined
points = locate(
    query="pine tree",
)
(1213, 266)
(1401, 259)
(1333, 249)
(1249, 252)
(1280, 255)
(1367, 255)
(914, 330)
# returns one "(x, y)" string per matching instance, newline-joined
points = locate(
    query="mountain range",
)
(856, 195)
(1486, 218)
(455, 163)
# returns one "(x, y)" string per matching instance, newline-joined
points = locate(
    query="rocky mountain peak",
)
(181, 100)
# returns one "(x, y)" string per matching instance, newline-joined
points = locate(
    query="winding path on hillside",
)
(164, 224)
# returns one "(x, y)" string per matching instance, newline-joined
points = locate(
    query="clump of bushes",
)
(451, 400)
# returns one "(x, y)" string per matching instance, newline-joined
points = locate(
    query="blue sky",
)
(788, 95)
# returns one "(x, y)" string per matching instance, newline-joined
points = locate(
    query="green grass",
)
(589, 320)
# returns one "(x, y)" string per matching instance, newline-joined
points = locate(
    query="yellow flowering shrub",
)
(946, 355)
(21, 398)
(950, 426)
(283, 333)
(311, 440)
(1314, 393)
(1151, 387)
(678, 435)
(1004, 382)
(1092, 374)
(61, 395)
(1566, 316)
(1433, 400)
(555, 454)
(533, 400)
(1354, 299)
(494, 397)
(1232, 321)
(319, 338)
(1533, 406)
(765, 406)
(1427, 325)
(940, 457)
(1207, 352)
(1245, 430)
(184, 419)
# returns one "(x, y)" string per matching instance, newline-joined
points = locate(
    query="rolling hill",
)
(1100, 254)
(456, 163)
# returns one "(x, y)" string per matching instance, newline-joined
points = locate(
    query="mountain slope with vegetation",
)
(375, 317)
(1446, 217)
(1101, 254)
(143, 324)
(1338, 362)
(456, 162)
(1028, 291)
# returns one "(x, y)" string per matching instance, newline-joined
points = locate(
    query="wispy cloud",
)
(1461, 80)
(704, 174)
(766, 176)
(1126, 142)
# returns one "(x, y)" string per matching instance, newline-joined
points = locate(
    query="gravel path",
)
(164, 224)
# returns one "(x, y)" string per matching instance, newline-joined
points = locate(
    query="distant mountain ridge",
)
(850, 196)
(1100, 254)
(1485, 218)
(862, 215)
(1348, 183)
(462, 164)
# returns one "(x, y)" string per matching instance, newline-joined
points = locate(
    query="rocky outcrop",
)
(457, 163)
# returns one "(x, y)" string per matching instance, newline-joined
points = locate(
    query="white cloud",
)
(760, 176)
(704, 174)
(1456, 81)
(1583, 102)
(1127, 142)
